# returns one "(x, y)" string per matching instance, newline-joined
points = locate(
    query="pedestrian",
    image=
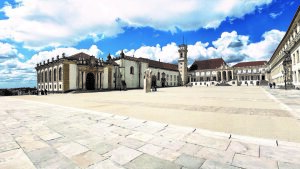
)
(45, 91)
(270, 84)
(42, 92)
(274, 84)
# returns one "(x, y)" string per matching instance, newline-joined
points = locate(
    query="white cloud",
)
(8, 51)
(275, 15)
(44, 55)
(230, 46)
(41, 23)
(264, 49)
(13, 70)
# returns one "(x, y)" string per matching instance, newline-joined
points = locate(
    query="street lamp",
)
(286, 65)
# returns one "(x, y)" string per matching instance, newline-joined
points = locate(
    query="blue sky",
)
(32, 31)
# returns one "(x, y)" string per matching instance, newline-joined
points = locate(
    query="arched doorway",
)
(229, 75)
(163, 80)
(90, 81)
(219, 76)
(224, 76)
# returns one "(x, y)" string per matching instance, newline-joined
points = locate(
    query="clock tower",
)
(182, 64)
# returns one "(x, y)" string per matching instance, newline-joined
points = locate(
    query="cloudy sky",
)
(236, 30)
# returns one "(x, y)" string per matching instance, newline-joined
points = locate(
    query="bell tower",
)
(182, 64)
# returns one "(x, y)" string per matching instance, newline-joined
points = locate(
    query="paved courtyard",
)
(78, 135)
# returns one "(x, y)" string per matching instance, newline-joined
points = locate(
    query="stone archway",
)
(90, 81)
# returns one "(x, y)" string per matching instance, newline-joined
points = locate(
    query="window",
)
(54, 75)
(298, 56)
(50, 87)
(132, 70)
(59, 74)
(46, 80)
(50, 76)
(171, 78)
(158, 76)
(60, 86)
(42, 77)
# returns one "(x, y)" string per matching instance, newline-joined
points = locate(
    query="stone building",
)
(84, 72)
(288, 47)
(217, 72)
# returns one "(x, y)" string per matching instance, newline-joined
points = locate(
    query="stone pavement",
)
(40, 135)
(289, 99)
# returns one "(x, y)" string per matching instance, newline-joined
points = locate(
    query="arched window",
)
(50, 79)
(54, 75)
(38, 77)
(42, 77)
(131, 70)
(46, 80)
(158, 76)
(59, 74)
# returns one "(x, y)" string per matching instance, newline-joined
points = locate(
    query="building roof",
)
(81, 55)
(254, 63)
(152, 63)
(160, 65)
(207, 64)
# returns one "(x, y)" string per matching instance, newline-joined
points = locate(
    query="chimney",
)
(48, 61)
(57, 57)
(159, 60)
(52, 59)
(63, 55)
(44, 62)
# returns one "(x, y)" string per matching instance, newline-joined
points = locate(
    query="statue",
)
(147, 81)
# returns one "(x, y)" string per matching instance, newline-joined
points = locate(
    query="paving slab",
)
(123, 155)
(250, 162)
(150, 162)
(210, 164)
(189, 161)
(15, 159)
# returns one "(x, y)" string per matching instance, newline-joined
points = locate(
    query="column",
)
(238, 77)
(84, 80)
(227, 79)
(222, 76)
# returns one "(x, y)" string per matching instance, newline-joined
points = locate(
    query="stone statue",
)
(147, 81)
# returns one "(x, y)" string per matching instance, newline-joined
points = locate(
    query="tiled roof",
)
(207, 64)
(160, 65)
(254, 63)
(152, 63)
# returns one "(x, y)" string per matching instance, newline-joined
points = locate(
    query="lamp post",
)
(286, 64)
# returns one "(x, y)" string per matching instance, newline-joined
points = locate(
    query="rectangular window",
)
(298, 56)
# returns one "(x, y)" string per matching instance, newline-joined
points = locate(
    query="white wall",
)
(73, 76)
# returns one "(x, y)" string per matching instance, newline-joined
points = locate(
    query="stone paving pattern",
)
(39, 135)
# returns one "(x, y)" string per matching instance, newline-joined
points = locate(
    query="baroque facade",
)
(288, 47)
(84, 72)
(217, 72)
